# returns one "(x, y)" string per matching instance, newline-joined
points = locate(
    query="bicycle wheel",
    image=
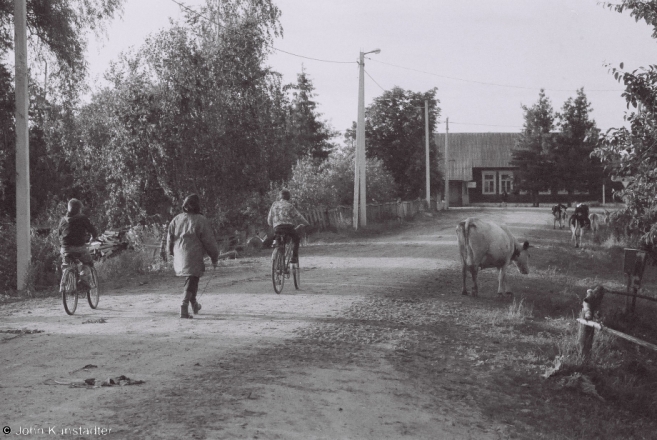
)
(296, 273)
(277, 270)
(69, 291)
(93, 294)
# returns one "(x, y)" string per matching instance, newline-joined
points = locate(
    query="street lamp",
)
(359, 156)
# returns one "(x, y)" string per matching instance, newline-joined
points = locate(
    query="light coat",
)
(483, 245)
(189, 238)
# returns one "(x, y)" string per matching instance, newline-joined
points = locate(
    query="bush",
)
(331, 183)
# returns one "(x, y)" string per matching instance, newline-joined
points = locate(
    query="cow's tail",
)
(463, 235)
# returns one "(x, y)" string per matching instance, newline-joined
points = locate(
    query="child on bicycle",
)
(283, 217)
(189, 238)
(73, 231)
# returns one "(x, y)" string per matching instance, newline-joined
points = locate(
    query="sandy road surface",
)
(331, 361)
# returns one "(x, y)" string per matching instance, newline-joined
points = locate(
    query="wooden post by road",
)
(447, 163)
(23, 251)
(426, 136)
(590, 308)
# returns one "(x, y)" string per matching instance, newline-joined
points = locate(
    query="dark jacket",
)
(73, 230)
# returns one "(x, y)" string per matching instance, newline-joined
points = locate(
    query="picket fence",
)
(342, 216)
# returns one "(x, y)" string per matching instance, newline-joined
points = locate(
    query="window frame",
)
(484, 181)
(509, 180)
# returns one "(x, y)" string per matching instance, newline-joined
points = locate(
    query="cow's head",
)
(521, 257)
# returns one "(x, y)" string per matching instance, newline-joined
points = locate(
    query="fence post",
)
(634, 265)
(590, 308)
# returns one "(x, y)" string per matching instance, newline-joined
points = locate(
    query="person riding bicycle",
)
(74, 230)
(283, 217)
(582, 212)
(189, 238)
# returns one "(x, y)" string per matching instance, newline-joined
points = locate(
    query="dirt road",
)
(372, 347)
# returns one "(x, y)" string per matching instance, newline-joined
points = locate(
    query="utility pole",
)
(426, 137)
(23, 251)
(356, 183)
(360, 140)
(447, 163)
(359, 157)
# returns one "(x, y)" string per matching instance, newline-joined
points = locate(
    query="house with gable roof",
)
(480, 171)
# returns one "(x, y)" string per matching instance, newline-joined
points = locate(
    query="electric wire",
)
(198, 14)
(488, 83)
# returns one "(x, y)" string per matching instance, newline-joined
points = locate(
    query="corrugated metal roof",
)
(476, 150)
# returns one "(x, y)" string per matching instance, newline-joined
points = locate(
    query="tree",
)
(532, 152)
(395, 133)
(330, 183)
(630, 152)
(309, 136)
(57, 32)
(193, 110)
(575, 169)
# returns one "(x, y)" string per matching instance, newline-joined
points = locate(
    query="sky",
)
(487, 58)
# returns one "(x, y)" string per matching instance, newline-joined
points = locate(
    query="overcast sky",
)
(486, 57)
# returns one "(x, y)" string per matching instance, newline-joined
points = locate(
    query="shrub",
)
(331, 183)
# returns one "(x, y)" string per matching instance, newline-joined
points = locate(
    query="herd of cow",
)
(579, 221)
(484, 244)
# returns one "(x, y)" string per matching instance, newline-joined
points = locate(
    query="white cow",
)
(485, 244)
(595, 222)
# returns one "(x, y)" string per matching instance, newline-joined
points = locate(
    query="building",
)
(480, 168)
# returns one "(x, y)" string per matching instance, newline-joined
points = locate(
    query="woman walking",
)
(189, 238)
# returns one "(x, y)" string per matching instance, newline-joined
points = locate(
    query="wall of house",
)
(476, 195)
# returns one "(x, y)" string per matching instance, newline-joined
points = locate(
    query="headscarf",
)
(192, 204)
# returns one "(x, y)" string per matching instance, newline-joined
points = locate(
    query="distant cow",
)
(595, 222)
(559, 214)
(579, 221)
(577, 226)
(483, 245)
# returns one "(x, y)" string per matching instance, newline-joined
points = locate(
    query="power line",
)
(487, 83)
(198, 14)
(374, 80)
(485, 125)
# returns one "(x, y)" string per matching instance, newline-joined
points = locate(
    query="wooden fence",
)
(341, 217)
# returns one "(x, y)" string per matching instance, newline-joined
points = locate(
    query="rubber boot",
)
(184, 312)
(196, 307)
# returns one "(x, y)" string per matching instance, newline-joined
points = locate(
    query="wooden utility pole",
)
(359, 157)
(426, 136)
(447, 163)
(23, 251)
(360, 141)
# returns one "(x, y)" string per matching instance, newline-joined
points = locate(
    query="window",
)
(489, 186)
(506, 182)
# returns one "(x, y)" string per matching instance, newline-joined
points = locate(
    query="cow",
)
(483, 245)
(578, 222)
(595, 222)
(559, 214)
(577, 226)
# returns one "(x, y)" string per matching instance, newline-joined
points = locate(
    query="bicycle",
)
(71, 274)
(281, 263)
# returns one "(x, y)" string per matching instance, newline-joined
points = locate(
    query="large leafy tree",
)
(575, 169)
(309, 135)
(194, 110)
(629, 152)
(395, 134)
(57, 32)
(532, 153)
